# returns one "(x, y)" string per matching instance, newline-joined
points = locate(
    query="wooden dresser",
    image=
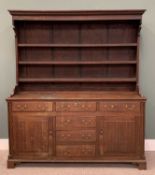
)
(77, 96)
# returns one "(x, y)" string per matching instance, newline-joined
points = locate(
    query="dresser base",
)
(141, 163)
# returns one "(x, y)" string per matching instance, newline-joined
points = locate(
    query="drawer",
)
(32, 106)
(74, 106)
(75, 150)
(76, 136)
(71, 122)
(119, 106)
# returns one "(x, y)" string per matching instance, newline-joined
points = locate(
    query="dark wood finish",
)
(77, 95)
(32, 106)
(142, 166)
(78, 45)
(31, 135)
(75, 151)
(69, 122)
(74, 62)
(11, 164)
(35, 80)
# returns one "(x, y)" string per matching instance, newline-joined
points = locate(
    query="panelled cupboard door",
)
(118, 135)
(31, 135)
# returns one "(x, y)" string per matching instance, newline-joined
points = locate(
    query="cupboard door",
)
(31, 135)
(118, 135)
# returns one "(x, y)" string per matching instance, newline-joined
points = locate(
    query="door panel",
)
(118, 135)
(31, 134)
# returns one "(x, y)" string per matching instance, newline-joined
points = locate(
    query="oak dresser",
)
(77, 96)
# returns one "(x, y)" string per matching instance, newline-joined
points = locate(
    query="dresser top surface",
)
(77, 95)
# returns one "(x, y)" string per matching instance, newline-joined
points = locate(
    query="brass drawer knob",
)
(67, 121)
(31, 139)
(25, 106)
(18, 106)
(51, 132)
(75, 104)
(101, 131)
(85, 136)
(83, 106)
(84, 151)
(39, 106)
(83, 120)
(112, 106)
(133, 106)
(66, 153)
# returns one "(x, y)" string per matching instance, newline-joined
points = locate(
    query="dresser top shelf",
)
(77, 51)
(77, 95)
(78, 15)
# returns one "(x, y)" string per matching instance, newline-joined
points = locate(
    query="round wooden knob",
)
(66, 153)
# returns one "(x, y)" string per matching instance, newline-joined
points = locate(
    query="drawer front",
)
(76, 136)
(119, 106)
(74, 106)
(64, 123)
(75, 150)
(32, 106)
